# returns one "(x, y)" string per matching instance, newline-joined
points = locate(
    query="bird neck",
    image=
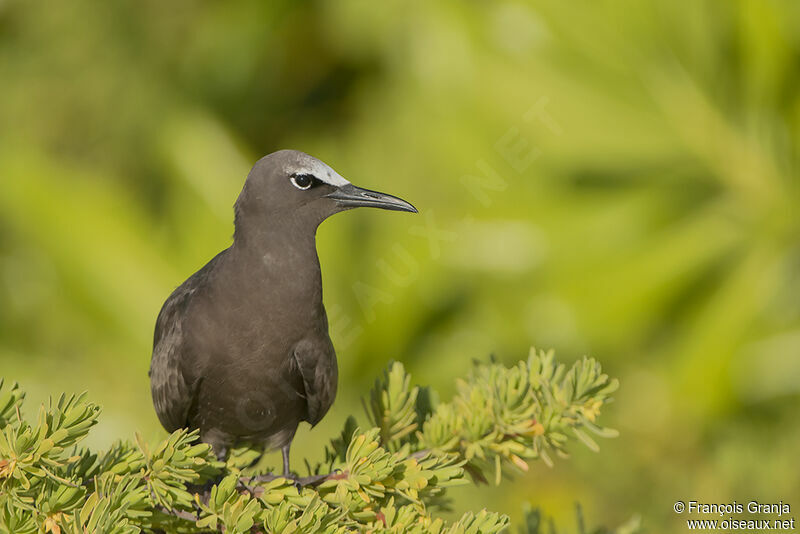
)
(282, 256)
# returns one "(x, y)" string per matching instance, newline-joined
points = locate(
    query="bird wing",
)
(173, 393)
(316, 363)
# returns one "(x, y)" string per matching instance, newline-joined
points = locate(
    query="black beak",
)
(350, 196)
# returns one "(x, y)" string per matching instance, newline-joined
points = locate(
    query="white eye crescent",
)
(302, 181)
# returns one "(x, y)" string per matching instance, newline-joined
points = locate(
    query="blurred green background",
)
(611, 178)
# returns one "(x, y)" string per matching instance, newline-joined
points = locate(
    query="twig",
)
(180, 514)
(311, 480)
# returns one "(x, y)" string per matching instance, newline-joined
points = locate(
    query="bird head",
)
(292, 185)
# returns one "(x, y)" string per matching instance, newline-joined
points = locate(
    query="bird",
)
(241, 349)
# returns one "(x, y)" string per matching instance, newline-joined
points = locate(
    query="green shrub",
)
(390, 475)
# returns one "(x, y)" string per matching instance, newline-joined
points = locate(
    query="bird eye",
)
(302, 181)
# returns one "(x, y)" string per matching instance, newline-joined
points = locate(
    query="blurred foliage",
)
(390, 478)
(534, 523)
(617, 178)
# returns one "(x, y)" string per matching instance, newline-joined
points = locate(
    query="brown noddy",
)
(241, 349)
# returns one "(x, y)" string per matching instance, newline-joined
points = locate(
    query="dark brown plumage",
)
(241, 349)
